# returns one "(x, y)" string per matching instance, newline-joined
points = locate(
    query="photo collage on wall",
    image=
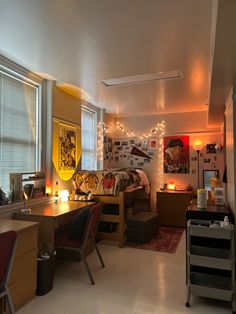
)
(134, 152)
(208, 157)
(108, 152)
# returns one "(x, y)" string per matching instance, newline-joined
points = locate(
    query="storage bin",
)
(142, 227)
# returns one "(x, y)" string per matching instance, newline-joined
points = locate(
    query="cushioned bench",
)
(142, 227)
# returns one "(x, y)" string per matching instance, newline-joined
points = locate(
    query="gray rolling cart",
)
(210, 261)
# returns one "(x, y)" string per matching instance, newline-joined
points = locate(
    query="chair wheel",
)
(187, 304)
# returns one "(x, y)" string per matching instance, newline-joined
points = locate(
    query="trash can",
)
(45, 273)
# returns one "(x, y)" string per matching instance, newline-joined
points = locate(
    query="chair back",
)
(7, 251)
(92, 223)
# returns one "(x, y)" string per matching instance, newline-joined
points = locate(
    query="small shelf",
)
(218, 263)
(19, 180)
(214, 232)
(210, 261)
(219, 294)
(212, 283)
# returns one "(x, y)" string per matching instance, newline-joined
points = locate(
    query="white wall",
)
(230, 152)
(192, 124)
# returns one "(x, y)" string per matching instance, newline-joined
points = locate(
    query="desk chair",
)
(64, 242)
(7, 253)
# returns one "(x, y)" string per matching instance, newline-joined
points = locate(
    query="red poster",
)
(176, 154)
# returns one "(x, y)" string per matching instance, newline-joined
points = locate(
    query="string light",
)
(117, 130)
(100, 138)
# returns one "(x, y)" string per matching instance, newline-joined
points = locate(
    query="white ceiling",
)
(81, 42)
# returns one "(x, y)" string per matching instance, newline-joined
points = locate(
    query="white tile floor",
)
(134, 281)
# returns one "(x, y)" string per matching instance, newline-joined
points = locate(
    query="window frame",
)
(87, 107)
(43, 111)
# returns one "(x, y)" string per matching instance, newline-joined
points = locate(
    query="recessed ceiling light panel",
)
(144, 78)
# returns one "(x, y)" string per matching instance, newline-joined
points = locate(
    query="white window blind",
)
(88, 139)
(19, 127)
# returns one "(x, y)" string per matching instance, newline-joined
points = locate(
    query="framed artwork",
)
(153, 143)
(176, 154)
(66, 148)
(211, 148)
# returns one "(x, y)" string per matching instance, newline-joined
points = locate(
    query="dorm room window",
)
(89, 134)
(19, 125)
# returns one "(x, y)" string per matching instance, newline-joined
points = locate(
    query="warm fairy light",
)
(118, 127)
(100, 144)
(158, 131)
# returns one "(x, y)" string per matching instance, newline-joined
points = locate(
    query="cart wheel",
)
(187, 304)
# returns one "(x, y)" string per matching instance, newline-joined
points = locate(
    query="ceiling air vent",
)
(144, 78)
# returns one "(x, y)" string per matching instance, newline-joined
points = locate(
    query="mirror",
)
(207, 175)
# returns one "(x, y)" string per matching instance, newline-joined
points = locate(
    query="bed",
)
(113, 186)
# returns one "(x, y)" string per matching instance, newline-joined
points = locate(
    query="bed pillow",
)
(76, 227)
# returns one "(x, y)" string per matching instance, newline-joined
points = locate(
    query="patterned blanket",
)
(107, 182)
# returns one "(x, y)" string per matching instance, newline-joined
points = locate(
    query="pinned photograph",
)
(211, 148)
(153, 143)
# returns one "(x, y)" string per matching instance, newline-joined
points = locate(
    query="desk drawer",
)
(22, 291)
(23, 266)
(174, 220)
(26, 241)
(177, 199)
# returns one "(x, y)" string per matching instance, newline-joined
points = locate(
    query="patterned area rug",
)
(166, 240)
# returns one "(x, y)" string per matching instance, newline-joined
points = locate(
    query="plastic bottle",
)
(201, 198)
(56, 192)
(226, 221)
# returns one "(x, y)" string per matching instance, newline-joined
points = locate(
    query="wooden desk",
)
(23, 278)
(172, 206)
(51, 216)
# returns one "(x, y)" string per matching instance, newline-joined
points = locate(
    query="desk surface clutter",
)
(51, 216)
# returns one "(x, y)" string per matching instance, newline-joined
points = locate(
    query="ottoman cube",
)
(142, 227)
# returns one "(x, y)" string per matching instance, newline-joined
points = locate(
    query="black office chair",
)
(63, 240)
(7, 253)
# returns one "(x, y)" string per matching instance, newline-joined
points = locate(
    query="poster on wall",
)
(67, 147)
(176, 154)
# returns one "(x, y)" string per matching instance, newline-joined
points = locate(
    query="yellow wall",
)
(66, 109)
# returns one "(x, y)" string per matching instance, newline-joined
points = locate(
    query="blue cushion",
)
(76, 227)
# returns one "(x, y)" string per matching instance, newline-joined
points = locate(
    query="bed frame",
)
(120, 234)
